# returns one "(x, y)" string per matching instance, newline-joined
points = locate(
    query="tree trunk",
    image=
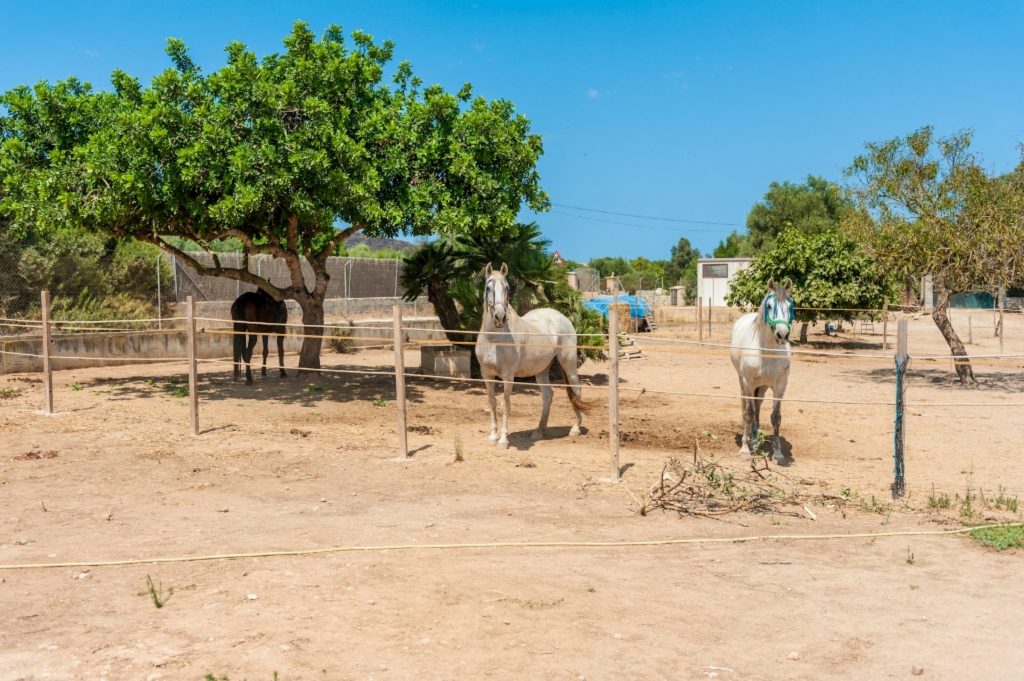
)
(448, 315)
(312, 319)
(941, 317)
(803, 332)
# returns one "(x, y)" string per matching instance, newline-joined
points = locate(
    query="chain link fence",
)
(588, 279)
(349, 277)
(137, 285)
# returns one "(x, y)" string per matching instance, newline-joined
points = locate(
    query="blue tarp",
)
(638, 307)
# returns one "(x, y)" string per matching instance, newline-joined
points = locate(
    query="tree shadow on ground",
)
(988, 381)
(306, 388)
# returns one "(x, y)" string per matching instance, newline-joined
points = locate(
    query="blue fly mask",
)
(779, 313)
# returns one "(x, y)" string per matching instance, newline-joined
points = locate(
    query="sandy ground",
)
(309, 462)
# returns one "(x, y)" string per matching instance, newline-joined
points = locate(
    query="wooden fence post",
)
(193, 378)
(885, 325)
(970, 330)
(403, 433)
(613, 386)
(47, 365)
(709, 318)
(1002, 329)
(700, 319)
(902, 361)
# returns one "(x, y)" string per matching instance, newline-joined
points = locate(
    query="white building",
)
(714, 275)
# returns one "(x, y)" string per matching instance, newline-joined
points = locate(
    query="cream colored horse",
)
(511, 346)
(760, 354)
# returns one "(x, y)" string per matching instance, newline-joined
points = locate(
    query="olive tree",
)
(926, 207)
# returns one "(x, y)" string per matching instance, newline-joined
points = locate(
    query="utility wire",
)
(677, 230)
(647, 217)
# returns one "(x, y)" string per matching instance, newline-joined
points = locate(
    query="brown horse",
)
(255, 314)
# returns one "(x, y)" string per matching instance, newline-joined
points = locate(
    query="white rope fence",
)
(399, 337)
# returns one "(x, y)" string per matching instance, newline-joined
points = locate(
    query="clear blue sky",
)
(683, 110)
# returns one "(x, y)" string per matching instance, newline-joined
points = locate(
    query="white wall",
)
(716, 288)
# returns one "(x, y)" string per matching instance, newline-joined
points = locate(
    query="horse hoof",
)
(284, 375)
(493, 437)
(574, 432)
(779, 458)
(745, 454)
(503, 443)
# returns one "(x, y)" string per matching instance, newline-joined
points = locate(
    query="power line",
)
(647, 217)
(677, 230)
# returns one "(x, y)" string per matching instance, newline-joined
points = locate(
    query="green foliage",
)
(1001, 538)
(810, 208)
(451, 272)
(89, 277)
(828, 271)
(275, 152)
(925, 205)
(681, 269)
(735, 245)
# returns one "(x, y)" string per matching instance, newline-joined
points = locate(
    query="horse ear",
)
(771, 284)
(488, 270)
(504, 269)
(788, 284)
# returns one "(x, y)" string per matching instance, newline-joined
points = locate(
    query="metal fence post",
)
(193, 395)
(700, 319)
(613, 386)
(47, 365)
(902, 361)
(403, 432)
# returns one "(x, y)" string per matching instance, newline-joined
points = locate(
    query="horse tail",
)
(582, 405)
(238, 342)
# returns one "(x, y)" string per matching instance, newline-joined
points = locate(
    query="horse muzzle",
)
(782, 332)
(498, 315)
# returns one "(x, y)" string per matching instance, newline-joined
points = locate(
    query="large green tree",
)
(290, 154)
(926, 207)
(831, 276)
(813, 207)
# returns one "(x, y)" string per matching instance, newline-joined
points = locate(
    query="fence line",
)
(578, 544)
(399, 373)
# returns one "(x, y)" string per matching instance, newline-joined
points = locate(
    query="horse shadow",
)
(522, 440)
(765, 449)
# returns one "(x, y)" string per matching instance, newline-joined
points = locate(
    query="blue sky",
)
(684, 110)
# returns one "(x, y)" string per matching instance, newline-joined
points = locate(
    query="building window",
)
(716, 271)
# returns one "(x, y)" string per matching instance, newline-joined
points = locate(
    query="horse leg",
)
(266, 352)
(237, 352)
(748, 418)
(509, 381)
(567, 360)
(546, 393)
(250, 346)
(493, 403)
(777, 392)
(755, 429)
(280, 354)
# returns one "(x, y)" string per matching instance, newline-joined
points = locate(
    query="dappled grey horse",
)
(760, 353)
(509, 346)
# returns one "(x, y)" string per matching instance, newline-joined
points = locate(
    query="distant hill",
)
(377, 243)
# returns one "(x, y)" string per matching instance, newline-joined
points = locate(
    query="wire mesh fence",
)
(138, 286)
(349, 277)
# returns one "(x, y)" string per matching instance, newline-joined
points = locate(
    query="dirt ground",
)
(310, 462)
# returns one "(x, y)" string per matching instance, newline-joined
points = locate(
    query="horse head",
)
(496, 294)
(777, 309)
